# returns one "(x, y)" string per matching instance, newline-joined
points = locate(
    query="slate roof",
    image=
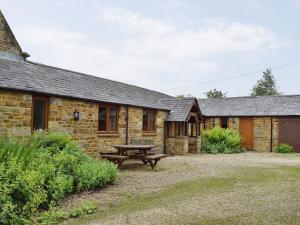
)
(43, 79)
(180, 108)
(285, 105)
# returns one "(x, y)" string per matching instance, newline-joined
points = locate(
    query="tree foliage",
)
(215, 94)
(266, 85)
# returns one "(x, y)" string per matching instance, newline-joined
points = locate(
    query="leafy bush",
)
(284, 148)
(92, 174)
(37, 173)
(219, 140)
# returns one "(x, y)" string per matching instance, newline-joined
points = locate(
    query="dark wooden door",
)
(246, 131)
(289, 132)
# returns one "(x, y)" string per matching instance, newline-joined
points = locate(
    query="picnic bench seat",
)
(153, 159)
(118, 159)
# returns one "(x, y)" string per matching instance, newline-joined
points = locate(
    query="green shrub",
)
(95, 174)
(37, 173)
(219, 140)
(285, 148)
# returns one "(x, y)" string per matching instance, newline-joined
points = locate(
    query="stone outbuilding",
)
(263, 122)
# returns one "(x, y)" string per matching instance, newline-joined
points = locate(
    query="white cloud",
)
(153, 53)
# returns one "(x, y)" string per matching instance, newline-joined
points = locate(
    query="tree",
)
(266, 85)
(215, 94)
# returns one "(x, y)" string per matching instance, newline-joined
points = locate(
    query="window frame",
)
(174, 128)
(107, 119)
(34, 97)
(148, 130)
(178, 129)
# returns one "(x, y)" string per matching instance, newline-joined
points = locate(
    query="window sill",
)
(108, 134)
(149, 133)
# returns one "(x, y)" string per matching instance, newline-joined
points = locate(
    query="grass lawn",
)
(249, 188)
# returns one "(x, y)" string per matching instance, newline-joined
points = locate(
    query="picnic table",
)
(139, 152)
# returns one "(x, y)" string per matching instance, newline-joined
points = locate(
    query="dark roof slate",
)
(39, 78)
(180, 108)
(284, 105)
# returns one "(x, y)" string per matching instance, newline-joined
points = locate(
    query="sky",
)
(174, 46)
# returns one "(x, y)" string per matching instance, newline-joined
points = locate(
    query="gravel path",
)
(137, 180)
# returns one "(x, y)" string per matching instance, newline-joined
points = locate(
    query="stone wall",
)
(177, 145)
(211, 122)
(135, 126)
(234, 123)
(262, 131)
(8, 42)
(199, 143)
(15, 114)
(262, 134)
(85, 130)
(15, 119)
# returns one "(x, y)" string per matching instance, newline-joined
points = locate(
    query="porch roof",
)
(180, 108)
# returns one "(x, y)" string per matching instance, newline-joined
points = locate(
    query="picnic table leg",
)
(155, 162)
(151, 164)
(145, 161)
(120, 162)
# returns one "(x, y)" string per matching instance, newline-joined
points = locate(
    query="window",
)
(169, 130)
(39, 113)
(178, 129)
(108, 119)
(224, 122)
(149, 120)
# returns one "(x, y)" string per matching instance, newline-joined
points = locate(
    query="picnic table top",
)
(134, 147)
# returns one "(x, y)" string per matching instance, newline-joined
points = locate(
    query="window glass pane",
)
(145, 120)
(113, 119)
(152, 121)
(39, 114)
(102, 119)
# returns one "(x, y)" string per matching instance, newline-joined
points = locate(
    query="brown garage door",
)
(246, 131)
(289, 132)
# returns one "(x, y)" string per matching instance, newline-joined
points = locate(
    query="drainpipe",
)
(165, 137)
(271, 141)
(126, 126)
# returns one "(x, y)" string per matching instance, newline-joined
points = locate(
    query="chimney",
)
(9, 46)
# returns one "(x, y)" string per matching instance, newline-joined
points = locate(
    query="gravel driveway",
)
(246, 188)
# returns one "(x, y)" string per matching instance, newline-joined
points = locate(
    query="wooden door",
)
(289, 132)
(246, 131)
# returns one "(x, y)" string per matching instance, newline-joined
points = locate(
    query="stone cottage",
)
(263, 122)
(97, 112)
